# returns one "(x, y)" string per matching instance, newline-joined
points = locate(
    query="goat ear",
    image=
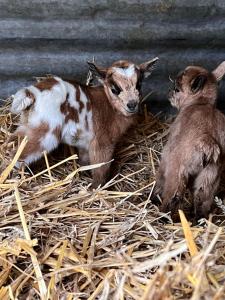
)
(148, 66)
(219, 71)
(97, 71)
(198, 83)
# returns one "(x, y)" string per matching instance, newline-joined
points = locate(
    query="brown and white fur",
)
(93, 119)
(194, 154)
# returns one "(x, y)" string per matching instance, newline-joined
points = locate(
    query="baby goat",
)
(93, 119)
(194, 154)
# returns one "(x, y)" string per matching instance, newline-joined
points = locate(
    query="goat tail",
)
(22, 100)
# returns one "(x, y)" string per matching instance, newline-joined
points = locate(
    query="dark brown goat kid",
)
(193, 157)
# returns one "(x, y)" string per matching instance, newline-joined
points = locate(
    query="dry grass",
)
(61, 240)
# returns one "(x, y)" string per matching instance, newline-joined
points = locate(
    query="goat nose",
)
(132, 105)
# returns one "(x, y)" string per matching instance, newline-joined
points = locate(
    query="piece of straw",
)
(40, 279)
(188, 234)
(6, 172)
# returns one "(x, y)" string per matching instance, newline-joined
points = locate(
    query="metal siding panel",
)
(58, 36)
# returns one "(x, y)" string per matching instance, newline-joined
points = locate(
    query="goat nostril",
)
(132, 105)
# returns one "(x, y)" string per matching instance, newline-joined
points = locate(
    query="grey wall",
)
(58, 36)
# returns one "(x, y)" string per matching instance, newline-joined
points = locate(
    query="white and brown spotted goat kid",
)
(93, 119)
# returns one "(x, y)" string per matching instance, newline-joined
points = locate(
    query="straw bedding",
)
(61, 240)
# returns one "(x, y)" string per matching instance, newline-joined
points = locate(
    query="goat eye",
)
(115, 90)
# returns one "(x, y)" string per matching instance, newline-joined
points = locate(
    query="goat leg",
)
(173, 192)
(205, 187)
(100, 153)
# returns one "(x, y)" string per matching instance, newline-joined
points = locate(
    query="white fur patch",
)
(49, 142)
(71, 90)
(47, 109)
(20, 102)
(127, 72)
(32, 157)
(71, 129)
(69, 132)
(83, 97)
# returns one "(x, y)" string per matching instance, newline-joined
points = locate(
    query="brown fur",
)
(122, 83)
(121, 64)
(81, 104)
(81, 107)
(109, 126)
(70, 112)
(111, 117)
(28, 109)
(46, 84)
(57, 132)
(34, 135)
(194, 154)
(86, 123)
(29, 94)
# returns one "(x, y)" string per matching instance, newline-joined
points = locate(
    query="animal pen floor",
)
(59, 237)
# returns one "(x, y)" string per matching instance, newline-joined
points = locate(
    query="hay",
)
(61, 240)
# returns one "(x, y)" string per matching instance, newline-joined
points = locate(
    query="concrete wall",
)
(58, 36)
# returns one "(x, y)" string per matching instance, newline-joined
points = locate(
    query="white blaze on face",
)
(127, 72)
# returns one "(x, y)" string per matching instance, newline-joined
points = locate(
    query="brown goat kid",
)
(193, 157)
(93, 119)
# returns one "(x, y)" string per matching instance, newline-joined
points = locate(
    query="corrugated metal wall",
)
(58, 36)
